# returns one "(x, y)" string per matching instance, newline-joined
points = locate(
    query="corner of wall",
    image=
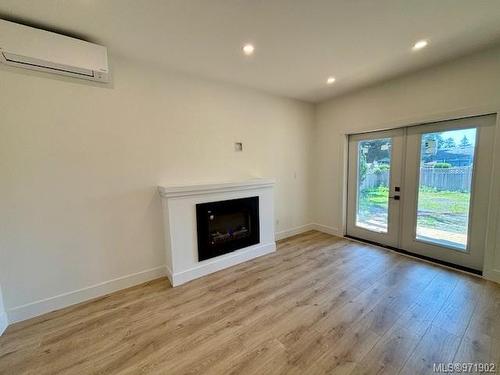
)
(3, 322)
(313, 162)
(3, 315)
(492, 275)
(293, 231)
(334, 231)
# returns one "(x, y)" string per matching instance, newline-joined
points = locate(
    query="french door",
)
(423, 189)
(374, 186)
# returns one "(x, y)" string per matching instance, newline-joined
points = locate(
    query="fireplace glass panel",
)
(226, 226)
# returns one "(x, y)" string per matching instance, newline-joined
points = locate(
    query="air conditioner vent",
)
(23, 61)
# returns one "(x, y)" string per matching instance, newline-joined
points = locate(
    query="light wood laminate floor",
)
(320, 304)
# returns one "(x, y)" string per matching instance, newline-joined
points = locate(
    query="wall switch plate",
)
(238, 146)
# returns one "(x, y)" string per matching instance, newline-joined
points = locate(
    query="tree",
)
(426, 151)
(362, 166)
(377, 150)
(465, 142)
(450, 143)
(440, 140)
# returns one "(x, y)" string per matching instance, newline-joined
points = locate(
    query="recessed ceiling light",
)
(248, 49)
(420, 44)
(330, 80)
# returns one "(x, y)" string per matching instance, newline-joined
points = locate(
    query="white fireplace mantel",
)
(179, 217)
(184, 190)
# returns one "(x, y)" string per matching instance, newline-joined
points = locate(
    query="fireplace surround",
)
(242, 226)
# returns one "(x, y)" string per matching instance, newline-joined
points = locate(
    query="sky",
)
(457, 135)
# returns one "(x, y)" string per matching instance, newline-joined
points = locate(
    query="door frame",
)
(491, 264)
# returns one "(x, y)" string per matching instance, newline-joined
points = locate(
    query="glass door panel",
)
(446, 190)
(374, 180)
(374, 167)
(445, 187)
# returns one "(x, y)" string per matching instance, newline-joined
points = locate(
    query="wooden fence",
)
(450, 179)
(374, 180)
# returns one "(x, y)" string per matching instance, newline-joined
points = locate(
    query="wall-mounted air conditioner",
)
(36, 49)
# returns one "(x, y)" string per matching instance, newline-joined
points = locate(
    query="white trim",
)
(60, 301)
(327, 229)
(3, 322)
(306, 228)
(457, 114)
(217, 264)
(492, 248)
(182, 191)
(342, 182)
(293, 231)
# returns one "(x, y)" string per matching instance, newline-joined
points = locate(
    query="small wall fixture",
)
(238, 146)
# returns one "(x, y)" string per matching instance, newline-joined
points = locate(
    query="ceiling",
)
(298, 43)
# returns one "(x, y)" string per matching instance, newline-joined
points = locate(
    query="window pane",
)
(374, 163)
(446, 165)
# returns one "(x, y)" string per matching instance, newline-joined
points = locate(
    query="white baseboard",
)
(305, 228)
(169, 274)
(3, 322)
(60, 301)
(492, 275)
(36, 308)
(327, 229)
(218, 264)
(293, 232)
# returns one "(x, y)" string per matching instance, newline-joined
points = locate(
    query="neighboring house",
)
(457, 156)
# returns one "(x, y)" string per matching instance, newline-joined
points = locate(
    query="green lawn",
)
(444, 210)
(450, 202)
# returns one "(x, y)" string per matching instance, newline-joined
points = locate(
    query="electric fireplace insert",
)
(226, 226)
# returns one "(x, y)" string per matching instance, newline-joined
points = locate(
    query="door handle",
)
(395, 197)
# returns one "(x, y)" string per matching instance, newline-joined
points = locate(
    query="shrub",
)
(381, 168)
(442, 165)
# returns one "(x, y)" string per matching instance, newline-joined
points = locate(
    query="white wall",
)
(80, 163)
(469, 85)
